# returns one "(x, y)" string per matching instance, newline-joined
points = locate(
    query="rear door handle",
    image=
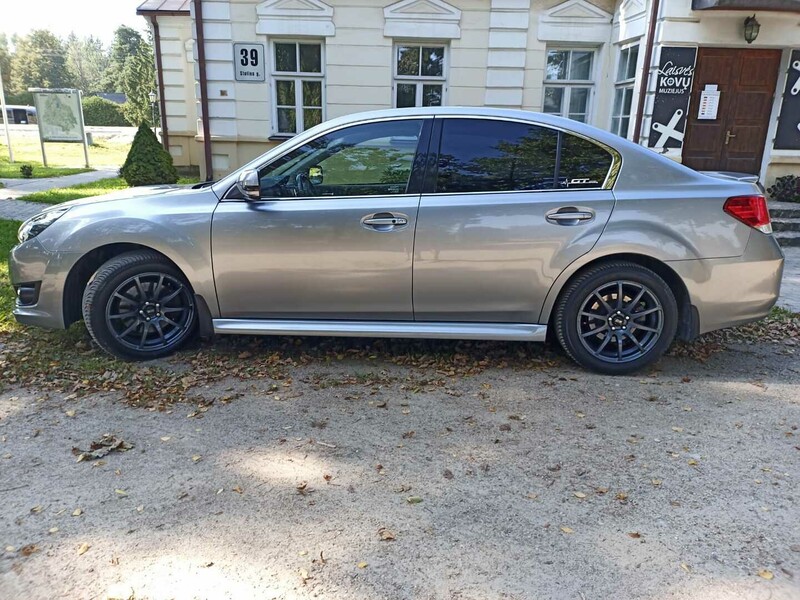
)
(384, 221)
(570, 216)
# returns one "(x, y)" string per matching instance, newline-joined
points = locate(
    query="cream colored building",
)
(275, 67)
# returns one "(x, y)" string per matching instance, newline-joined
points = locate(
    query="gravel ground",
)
(547, 482)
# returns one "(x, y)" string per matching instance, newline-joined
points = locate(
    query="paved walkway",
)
(790, 288)
(15, 188)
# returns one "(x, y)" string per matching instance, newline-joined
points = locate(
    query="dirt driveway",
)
(359, 477)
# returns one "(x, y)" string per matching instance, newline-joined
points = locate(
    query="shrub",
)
(26, 171)
(785, 189)
(103, 113)
(148, 163)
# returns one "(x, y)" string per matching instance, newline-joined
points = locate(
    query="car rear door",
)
(506, 206)
(332, 236)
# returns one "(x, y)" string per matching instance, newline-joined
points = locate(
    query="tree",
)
(5, 62)
(39, 60)
(138, 80)
(127, 43)
(104, 113)
(147, 162)
(88, 62)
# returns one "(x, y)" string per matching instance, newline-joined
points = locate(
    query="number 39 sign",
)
(248, 62)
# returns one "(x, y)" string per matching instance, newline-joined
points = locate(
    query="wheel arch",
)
(81, 273)
(688, 320)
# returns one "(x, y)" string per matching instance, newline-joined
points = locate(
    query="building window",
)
(623, 91)
(419, 75)
(568, 83)
(298, 79)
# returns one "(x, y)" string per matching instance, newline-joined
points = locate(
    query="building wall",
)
(496, 56)
(181, 111)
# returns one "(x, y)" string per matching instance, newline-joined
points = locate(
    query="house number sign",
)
(248, 62)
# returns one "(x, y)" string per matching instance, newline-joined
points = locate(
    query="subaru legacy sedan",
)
(421, 223)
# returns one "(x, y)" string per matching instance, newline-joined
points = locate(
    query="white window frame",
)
(623, 84)
(570, 84)
(420, 80)
(298, 77)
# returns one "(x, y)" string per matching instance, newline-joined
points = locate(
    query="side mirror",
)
(249, 185)
(315, 175)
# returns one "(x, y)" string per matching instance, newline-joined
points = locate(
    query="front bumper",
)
(733, 291)
(31, 265)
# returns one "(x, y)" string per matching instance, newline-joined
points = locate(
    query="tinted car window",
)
(583, 164)
(484, 155)
(369, 159)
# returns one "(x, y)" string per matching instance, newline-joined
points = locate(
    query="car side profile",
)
(436, 223)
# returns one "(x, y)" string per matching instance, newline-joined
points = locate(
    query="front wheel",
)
(616, 318)
(139, 306)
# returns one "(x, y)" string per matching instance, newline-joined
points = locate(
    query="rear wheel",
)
(139, 306)
(616, 318)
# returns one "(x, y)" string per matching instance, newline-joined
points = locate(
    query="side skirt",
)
(458, 331)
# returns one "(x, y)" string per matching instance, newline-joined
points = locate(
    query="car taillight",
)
(750, 210)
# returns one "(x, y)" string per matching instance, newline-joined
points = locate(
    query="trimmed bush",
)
(26, 171)
(103, 113)
(148, 163)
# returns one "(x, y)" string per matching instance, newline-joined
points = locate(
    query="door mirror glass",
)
(315, 175)
(249, 185)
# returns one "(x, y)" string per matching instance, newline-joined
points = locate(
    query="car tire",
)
(614, 332)
(139, 306)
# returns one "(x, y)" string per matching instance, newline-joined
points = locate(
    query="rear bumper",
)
(732, 291)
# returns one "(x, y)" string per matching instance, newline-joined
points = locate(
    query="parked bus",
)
(20, 115)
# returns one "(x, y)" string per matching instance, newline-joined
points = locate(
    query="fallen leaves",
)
(765, 574)
(413, 499)
(121, 493)
(238, 489)
(100, 448)
(386, 535)
(634, 534)
(83, 549)
(362, 565)
(567, 530)
(28, 549)
(77, 512)
(686, 567)
(579, 495)
(196, 458)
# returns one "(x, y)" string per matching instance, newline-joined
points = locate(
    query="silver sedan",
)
(436, 223)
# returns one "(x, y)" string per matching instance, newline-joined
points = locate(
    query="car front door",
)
(507, 207)
(332, 235)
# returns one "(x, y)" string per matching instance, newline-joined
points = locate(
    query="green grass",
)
(8, 238)
(11, 171)
(62, 159)
(76, 192)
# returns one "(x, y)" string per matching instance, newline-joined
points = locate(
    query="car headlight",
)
(38, 223)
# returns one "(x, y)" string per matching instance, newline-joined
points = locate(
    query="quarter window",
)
(482, 155)
(419, 75)
(568, 83)
(298, 81)
(361, 160)
(623, 90)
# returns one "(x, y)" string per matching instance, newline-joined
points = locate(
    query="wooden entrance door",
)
(734, 141)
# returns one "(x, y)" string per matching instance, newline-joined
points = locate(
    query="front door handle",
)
(569, 216)
(384, 221)
(729, 136)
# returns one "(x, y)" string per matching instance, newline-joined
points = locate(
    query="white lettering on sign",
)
(674, 77)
